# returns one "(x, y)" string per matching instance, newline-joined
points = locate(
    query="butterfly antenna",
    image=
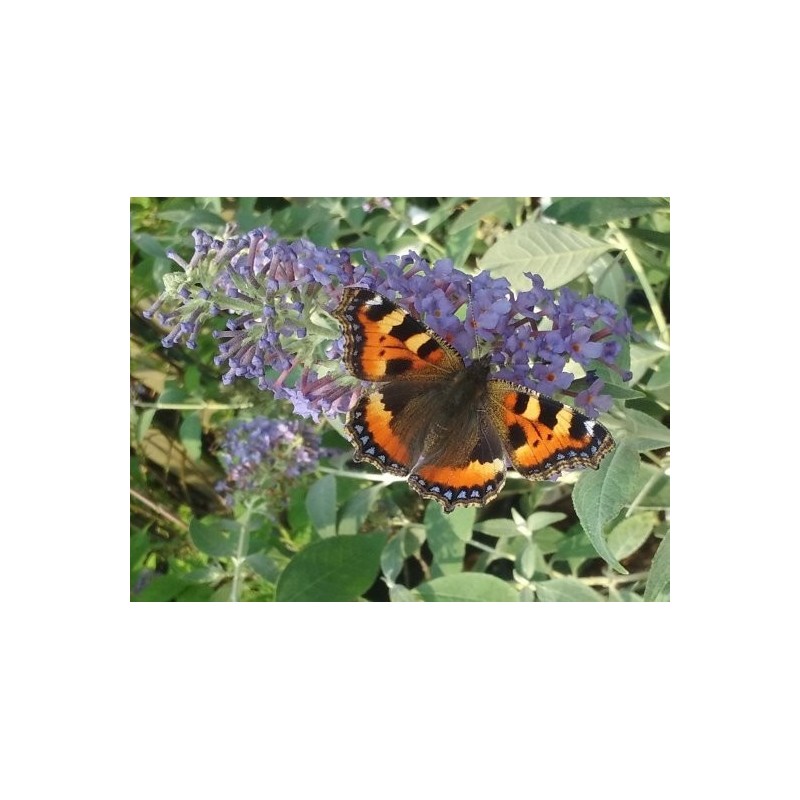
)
(471, 316)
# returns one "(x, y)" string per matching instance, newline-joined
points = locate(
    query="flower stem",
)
(241, 554)
(179, 523)
(423, 237)
(619, 239)
(639, 497)
(194, 406)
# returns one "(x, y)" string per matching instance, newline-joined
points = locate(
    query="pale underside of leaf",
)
(556, 253)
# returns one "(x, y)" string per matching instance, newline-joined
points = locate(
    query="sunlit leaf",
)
(658, 579)
(627, 536)
(468, 587)
(556, 253)
(600, 494)
(597, 210)
(446, 537)
(503, 209)
(566, 590)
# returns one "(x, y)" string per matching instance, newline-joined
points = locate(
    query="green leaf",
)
(557, 254)
(446, 535)
(296, 511)
(247, 217)
(209, 574)
(191, 379)
(413, 539)
(262, 533)
(529, 560)
(324, 231)
(461, 521)
(548, 540)
(643, 432)
(215, 536)
(406, 543)
(161, 588)
(597, 210)
(468, 587)
(357, 509)
(614, 389)
(337, 569)
(503, 209)
(264, 566)
(192, 218)
(459, 245)
(623, 596)
(629, 535)
(393, 557)
(385, 229)
(443, 212)
(400, 594)
(498, 527)
(526, 595)
(566, 590)
(657, 482)
(321, 505)
(643, 356)
(191, 431)
(222, 594)
(660, 377)
(658, 579)
(144, 419)
(149, 244)
(575, 548)
(659, 239)
(599, 495)
(297, 219)
(542, 519)
(608, 279)
(173, 394)
(140, 544)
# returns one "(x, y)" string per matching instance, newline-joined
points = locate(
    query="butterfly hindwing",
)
(406, 428)
(542, 436)
(388, 425)
(463, 467)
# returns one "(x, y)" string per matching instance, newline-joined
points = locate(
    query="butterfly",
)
(445, 425)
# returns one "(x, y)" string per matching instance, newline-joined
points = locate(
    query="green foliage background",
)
(342, 534)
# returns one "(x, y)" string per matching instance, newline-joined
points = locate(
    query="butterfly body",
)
(447, 426)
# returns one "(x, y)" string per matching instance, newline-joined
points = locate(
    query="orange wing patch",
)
(369, 427)
(544, 437)
(474, 484)
(383, 342)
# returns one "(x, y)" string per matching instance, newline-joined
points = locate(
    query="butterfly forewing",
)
(383, 342)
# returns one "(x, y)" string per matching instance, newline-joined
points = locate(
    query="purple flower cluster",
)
(277, 296)
(262, 449)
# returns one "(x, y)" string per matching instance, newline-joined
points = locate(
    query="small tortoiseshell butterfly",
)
(446, 425)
